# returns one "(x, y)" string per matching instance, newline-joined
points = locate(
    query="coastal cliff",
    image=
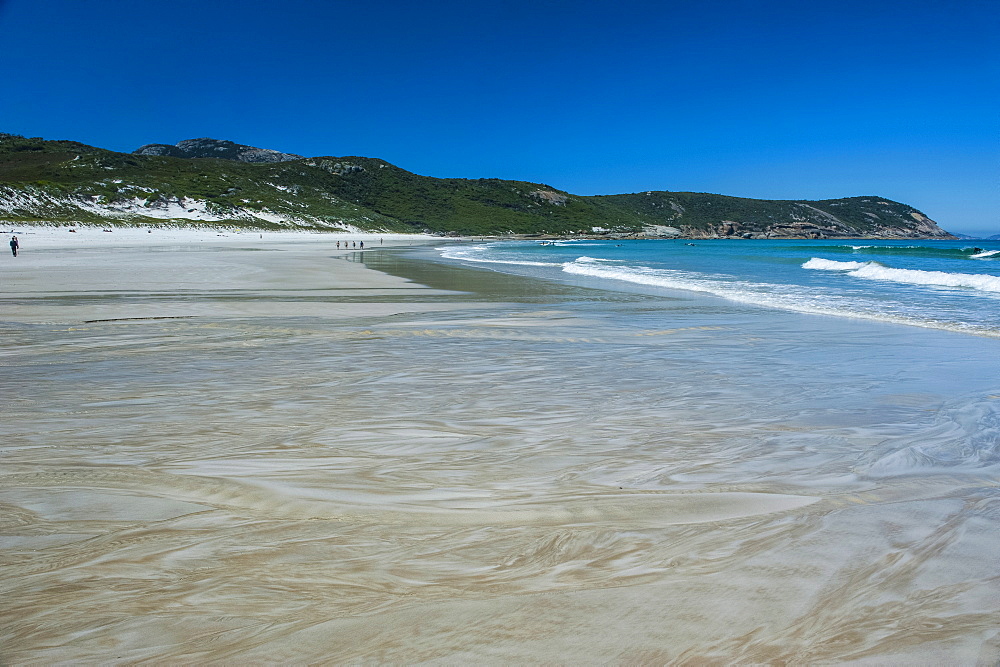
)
(215, 182)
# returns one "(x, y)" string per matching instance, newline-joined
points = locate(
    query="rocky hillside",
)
(709, 216)
(226, 150)
(207, 181)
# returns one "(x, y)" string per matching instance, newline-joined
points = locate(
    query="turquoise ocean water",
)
(951, 285)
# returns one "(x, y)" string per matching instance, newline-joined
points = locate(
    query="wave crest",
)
(873, 271)
(821, 264)
(876, 271)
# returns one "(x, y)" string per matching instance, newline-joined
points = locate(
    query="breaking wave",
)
(831, 265)
(873, 271)
(876, 271)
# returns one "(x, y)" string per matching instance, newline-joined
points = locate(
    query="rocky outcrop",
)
(550, 197)
(338, 168)
(216, 148)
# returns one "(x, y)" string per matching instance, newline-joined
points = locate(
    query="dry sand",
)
(134, 273)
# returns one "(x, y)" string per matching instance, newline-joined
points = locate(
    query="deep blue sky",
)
(755, 98)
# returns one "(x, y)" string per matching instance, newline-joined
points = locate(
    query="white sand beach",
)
(90, 236)
(176, 264)
(225, 447)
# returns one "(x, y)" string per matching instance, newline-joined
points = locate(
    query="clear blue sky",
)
(755, 98)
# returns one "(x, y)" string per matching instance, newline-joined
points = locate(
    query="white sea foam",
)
(593, 260)
(763, 294)
(460, 250)
(768, 295)
(987, 253)
(467, 254)
(876, 271)
(873, 271)
(821, 264)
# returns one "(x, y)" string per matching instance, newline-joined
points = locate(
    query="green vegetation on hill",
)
(66, 181)
(724, 215)
(466, 206)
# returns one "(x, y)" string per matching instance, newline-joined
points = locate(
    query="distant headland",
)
(211, 182)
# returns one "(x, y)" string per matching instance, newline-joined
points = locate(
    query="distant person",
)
(338, 245)
(14, 245)
(362, 245)
(354, 244)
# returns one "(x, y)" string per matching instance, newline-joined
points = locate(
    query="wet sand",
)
(275, 453)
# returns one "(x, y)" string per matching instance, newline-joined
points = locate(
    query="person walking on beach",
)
(14, 245)
(362, 245)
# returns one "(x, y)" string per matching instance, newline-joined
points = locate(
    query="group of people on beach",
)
(354, 244)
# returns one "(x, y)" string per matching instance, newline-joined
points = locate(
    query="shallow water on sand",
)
(524, 472)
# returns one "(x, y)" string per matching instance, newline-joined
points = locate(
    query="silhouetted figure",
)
(14, 245)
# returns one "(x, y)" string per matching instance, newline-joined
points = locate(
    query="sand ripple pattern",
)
(592, 481)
